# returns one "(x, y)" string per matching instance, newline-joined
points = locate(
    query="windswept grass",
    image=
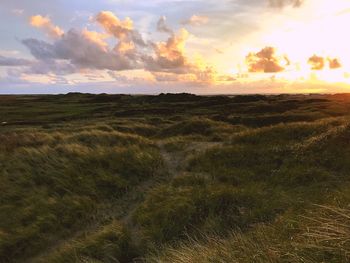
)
(53, 184)
(323, 235)
(112, 243)
(174, 178)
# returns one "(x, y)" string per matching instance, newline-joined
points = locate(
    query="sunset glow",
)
(175, 45)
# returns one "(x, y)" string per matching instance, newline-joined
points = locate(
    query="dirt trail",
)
(175, 165)
(176, 161)
(172, 161)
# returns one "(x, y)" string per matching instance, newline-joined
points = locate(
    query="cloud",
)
(126, 48)
(196, 20)
(96, 37)
(162, 26)
(88, 49)
(319, 63)
(9, 62)
(128, 38)
(169, 77)
(170, 62)
(117, 76)
(169, 55)
(334, 63)
(316, 62)
(5, 53)
(121, 30)
(76, 50)
(75, 47)
(79, 51)
(56, 67)
(114, 26)
(46, 24)
(44, 66)
(41, 50)
(266, 61)
(125, 79)
(283, 3)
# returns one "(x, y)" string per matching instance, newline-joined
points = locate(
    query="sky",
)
(154, 46)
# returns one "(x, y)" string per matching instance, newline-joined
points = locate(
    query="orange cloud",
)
(170, 61)
(125, 47)
(316, 62)
(114, 26)
(123, 31)
(85, 49)
(96, 37)
(169, 55)
(266, 61)
(46, 24)
(174, 47)
(334, 63)
(319, 63)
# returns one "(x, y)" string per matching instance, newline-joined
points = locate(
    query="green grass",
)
(174, 178)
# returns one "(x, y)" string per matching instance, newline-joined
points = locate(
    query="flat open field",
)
(174, 178)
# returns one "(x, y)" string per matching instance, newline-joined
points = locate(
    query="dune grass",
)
(174, 178)
(54, 184)
(321, 235)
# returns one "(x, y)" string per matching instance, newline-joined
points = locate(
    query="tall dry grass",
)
(323, 235)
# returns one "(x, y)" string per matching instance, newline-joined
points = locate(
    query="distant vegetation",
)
(174, 178)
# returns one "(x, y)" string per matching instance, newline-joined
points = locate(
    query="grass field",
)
(174, 178)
